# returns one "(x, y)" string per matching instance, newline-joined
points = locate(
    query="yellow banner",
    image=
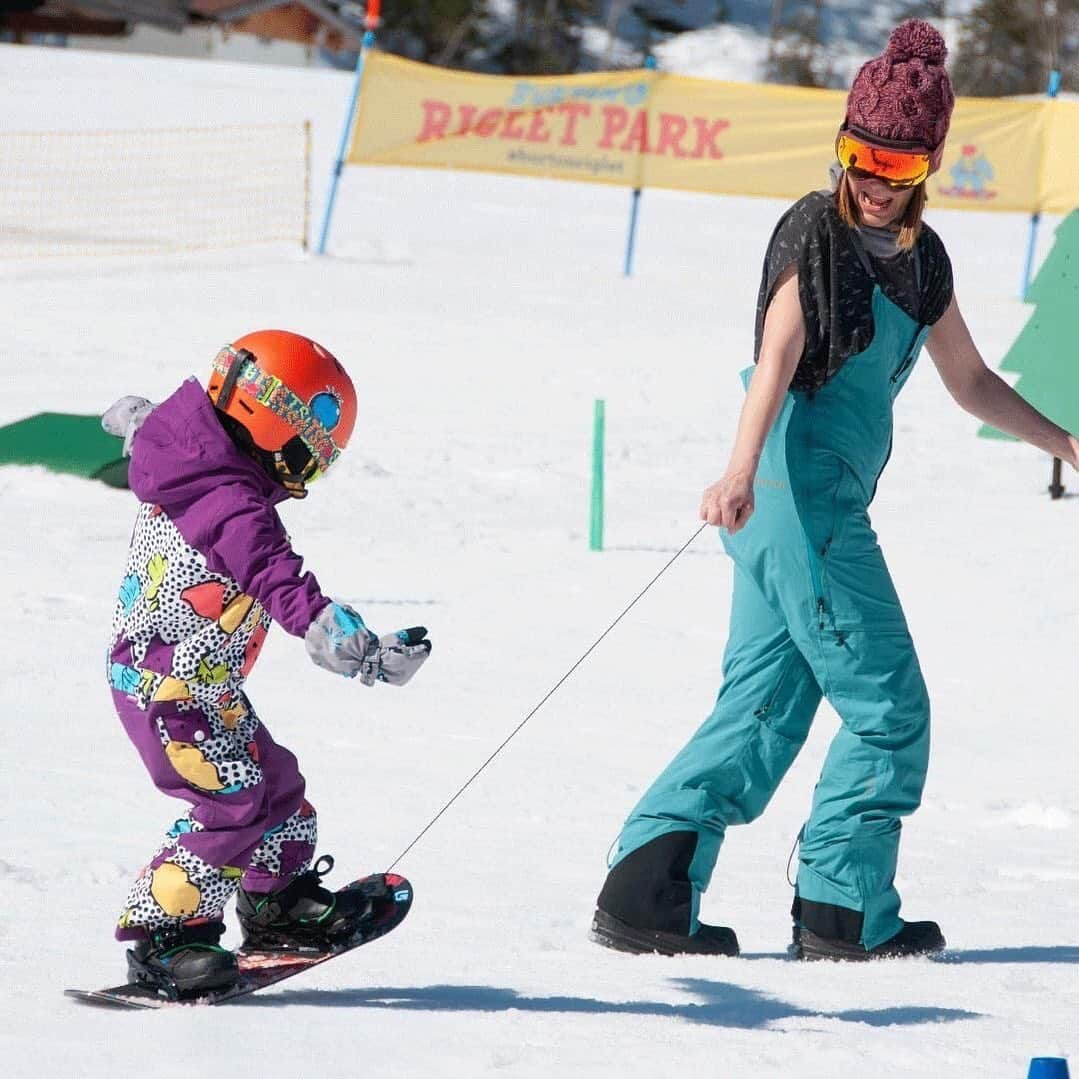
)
(1060, 175)
(652, 129)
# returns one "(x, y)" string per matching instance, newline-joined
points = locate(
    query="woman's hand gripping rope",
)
(729, 502)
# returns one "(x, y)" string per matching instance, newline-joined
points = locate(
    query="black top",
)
(836, 276)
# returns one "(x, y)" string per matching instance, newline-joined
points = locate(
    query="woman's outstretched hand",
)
(729, 503)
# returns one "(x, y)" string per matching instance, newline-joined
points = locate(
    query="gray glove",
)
(339, 641)
(125, 417)
(399, 656)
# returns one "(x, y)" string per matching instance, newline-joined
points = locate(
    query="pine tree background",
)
(1004, 47)
(541, 37)
(1045, 354)
(440, 32)
(1010, 46)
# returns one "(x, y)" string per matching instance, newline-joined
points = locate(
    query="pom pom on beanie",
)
(905, 93)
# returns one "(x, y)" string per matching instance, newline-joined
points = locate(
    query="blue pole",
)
(342, 147)
(1032, 239)
(635, 200)
(1032, 242)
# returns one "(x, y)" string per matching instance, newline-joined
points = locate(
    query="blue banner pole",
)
(1032, 239)
(1028, 264)
(346, 132)
(635, 200)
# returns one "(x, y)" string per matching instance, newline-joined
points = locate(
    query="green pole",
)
(595, 535)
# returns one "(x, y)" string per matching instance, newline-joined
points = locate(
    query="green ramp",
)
(65, 443)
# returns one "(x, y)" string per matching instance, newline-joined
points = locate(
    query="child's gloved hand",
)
(398, 657)
(339, 641)
(125, 417)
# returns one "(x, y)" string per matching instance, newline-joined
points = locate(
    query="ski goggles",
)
(899, 165)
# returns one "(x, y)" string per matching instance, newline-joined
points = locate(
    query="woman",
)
(853, 284)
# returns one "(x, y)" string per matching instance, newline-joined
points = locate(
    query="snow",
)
(481, 316)
(851, 32)
(726, 51)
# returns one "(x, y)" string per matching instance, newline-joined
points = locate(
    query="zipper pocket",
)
(880, 471)
(816, 577)
(781, 681)
(912, 354)
(899, 371)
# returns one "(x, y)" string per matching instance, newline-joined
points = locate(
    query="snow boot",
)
(915, 938)
(646, 904)
(611, 932)
(183, 960)
(303, 916)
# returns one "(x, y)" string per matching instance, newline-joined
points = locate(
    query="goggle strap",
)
(895, 145)
(239, 358)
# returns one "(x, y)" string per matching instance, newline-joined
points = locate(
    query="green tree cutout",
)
(1046, 353)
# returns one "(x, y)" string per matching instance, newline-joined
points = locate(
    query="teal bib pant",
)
(814, 613)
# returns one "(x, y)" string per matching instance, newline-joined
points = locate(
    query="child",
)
(210, 566)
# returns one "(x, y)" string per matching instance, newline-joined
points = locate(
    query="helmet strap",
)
(293, 483)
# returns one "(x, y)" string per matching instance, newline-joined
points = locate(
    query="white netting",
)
(140, 191)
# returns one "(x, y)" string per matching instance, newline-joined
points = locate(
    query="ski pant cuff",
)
(259, 882)
(828, 921)
(132, 933)
(857, 916)
(649, 888)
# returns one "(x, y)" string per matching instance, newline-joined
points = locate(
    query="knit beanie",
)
(905, 94)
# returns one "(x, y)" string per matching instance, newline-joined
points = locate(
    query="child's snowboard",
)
(260, 969)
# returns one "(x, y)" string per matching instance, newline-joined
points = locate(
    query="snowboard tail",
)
(261, 969)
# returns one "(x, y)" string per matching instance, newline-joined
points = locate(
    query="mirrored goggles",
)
(894, 165)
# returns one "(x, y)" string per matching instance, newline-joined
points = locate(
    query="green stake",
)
(595, 534)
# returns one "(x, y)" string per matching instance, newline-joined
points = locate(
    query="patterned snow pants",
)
(248, 822)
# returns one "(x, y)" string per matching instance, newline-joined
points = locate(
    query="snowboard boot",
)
(613, 933)
(915, 938)
(183, 960)
(304, 916)
(647, 902)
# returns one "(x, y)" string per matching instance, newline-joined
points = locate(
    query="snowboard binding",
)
(183, 961)
(303, 916)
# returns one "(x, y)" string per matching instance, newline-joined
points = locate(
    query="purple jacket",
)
(209, 566)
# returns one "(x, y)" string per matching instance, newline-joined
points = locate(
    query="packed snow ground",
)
(481, 317)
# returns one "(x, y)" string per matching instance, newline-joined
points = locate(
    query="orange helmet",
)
(291, 396)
